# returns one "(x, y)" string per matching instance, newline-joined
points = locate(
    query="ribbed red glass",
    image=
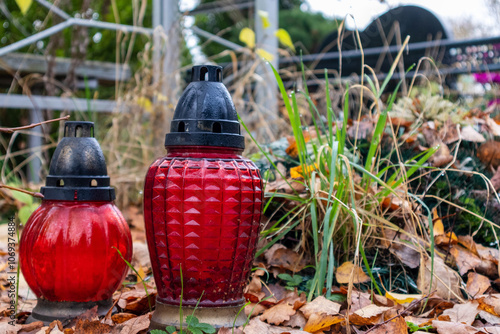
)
(202, 208)
(67, 254)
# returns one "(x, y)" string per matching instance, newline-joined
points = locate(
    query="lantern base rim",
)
(48, 311)
(168, 315)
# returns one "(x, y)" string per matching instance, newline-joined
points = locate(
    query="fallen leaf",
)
(446, 282)
(256, 326)
(134, 325)
(254, 309)
(225, 330)
(296, 321)
(95, 326)
(395, 326)
(320, 305)
(368, 315)
(402, 298)
(285, 258)
(446, 327)
(292, 150)
(477, 284)
(495, 180)
(449, 132)
(321, 321)
(343, 274)
(360, 130)
(402, 247)
(122, 317)
(463, 313)
(489, 318)
(469, 134)
(278, 314)
(359, 300)
(489, 154)
(466, 260)
(442, 156)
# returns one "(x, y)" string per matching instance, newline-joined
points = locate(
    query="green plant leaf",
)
(170, 329)
(192, 320)
(159, 331)
(206, 328)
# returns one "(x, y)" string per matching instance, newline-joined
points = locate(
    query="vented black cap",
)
(78, 169)
(205, 114)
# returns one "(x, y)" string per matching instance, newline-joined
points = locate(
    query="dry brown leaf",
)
(296, 321)
(292, 298)
(343, 274)
(400, 245)
(468, 133)
(463, 313)
(488, 253)
(278, 314)
(442, 157)
(122, 317)
(320, 321)
(95, 326)
(285, 258)
(320, 305)
(134, 325)
(368, 315)
(466, 260)
(360, 130)
(256, 326)
(225, 330)
(489, 318)
(446, 327)
(489, 154)
(360, 300)
(477, 284)
(254, 309)
(446, 282)
(490, 304)
(395, 326)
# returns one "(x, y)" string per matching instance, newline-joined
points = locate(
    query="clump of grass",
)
(341, 210)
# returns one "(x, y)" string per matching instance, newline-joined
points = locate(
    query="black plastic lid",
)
(78, 169)
(205, 114)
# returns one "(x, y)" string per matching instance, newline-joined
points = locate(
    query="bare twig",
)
(34, 194)
(34, 125)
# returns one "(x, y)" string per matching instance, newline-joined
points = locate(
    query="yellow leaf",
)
(264, 54)
(285, 38)
(247, 36)
(401, 298)
(141, 273)
(343, 274)
(145, 103)
(24, 5)
(296, 172)
(264, 16)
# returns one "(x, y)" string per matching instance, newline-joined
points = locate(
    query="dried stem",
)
(34, 125)
(34, 194)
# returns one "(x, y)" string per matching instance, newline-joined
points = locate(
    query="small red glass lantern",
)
(202, 208)
(67, 249)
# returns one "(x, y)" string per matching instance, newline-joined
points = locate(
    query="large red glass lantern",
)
(68, 249)
(202, 208)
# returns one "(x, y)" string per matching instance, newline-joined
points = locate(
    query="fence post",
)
(266, 89)
(166, 53)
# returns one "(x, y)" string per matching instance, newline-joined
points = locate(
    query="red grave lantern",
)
(202, 208)
(67, 252)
